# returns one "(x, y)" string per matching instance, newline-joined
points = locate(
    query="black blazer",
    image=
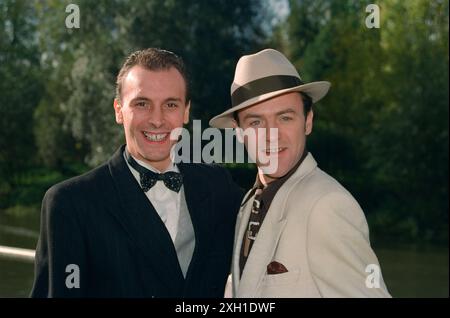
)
(103, 223)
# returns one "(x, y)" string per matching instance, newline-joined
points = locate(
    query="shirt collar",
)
(172, 166)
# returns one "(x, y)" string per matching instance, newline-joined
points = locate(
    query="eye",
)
(141, 104)
(255, 123)
(286, 118)
(172, 105)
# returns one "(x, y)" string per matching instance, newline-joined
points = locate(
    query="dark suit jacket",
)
(103, 223)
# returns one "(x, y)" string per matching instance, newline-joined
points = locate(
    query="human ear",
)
(118, 111)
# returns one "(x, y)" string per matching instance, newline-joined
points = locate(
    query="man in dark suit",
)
(140, 225)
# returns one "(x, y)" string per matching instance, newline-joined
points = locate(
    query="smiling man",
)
(150, 106)
(299, 233)
(140, 225)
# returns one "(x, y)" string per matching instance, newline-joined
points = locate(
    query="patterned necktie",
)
(254, 224)
(172, 180)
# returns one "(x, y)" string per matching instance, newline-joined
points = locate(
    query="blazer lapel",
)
(262, 251)
(143, 224)
(200, 209)
(241, 227)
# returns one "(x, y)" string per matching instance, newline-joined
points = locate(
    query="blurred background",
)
(382, 131)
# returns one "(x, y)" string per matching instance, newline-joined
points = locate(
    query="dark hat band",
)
(263, 86)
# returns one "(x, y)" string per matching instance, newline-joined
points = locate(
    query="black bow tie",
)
(172, 180)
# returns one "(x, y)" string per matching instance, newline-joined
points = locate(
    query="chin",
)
(274, 174)
(156, 157)
(283, 169)
(278, 174)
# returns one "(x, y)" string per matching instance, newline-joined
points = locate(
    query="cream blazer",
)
(318, 231)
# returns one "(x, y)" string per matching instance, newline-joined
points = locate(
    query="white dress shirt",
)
(165, 201)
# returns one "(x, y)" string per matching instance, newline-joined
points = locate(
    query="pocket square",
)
(276, 268)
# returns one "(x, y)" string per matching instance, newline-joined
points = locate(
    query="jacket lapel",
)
(143, 224)
(262, 250)
(241, 227)
(200, 209)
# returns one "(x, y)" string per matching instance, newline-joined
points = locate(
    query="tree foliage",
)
(209, 35)
(20, 87)
(383, 129)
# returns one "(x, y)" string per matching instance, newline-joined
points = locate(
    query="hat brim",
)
(316, 90)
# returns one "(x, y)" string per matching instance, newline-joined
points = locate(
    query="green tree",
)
(209, 35)
(410, 137)
(383, 129)
(20, 88)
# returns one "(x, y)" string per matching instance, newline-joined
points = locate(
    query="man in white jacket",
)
(299, 233)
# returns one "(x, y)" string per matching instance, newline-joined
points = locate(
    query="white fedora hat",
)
(261, 76)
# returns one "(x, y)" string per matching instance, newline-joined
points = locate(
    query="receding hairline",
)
(154, 70)
(163, 69)
(153, 59)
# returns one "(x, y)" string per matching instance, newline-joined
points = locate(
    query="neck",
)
(265, 178)
(160, 166)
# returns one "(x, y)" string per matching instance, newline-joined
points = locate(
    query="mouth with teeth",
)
(272, 151)
(155, 137)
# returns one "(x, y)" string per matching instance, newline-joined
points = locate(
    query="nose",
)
(156, 117)
(271, 132)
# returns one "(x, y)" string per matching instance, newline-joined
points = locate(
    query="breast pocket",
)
(288, 278)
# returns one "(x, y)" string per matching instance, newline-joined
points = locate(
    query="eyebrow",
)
(173, 99)
(281, 112)
(142, 98)
(285, 111)
(251, 116)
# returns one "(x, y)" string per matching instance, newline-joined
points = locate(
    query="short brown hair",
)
(153, 59)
